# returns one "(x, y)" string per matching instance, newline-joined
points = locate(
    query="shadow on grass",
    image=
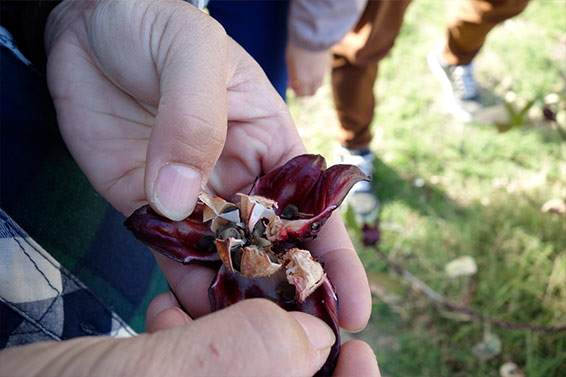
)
(516, 248)
(413, 191)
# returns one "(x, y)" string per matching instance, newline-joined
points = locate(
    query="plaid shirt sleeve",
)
(40, 300)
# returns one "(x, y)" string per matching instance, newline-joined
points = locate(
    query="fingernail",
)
(159, 304)
(183, 318)
(319, 333)
(176, 191)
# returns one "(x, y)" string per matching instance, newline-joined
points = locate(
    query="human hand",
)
(254, 337)
(356, 357)
(154, 101)
(151, 95)
(306, 69)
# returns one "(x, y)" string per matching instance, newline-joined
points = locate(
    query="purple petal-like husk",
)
(178, 240)
(291, 183)
(306, 228)
(304, 182)
(332, 187)
(230, 287)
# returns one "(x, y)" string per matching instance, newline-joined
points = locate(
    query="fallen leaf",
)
(510, 369)
(463, 266)
(551, 99)
(488, 348)
(555, 205)
(528, 181)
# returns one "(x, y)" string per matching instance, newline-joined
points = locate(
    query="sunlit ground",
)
(450, 190)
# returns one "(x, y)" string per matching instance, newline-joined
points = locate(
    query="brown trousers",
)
(356, 57)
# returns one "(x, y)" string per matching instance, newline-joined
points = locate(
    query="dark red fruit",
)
(254, 242)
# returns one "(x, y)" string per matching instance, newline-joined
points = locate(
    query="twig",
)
(438, 298)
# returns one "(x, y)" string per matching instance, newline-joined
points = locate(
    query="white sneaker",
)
(362, 197)
(458, 84)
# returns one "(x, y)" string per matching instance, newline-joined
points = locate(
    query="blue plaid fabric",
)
(40, 300)
(44, 191)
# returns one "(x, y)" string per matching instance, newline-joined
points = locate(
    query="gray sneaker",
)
(459, 86)
(362, 197)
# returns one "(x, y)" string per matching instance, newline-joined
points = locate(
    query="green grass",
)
(449, 190)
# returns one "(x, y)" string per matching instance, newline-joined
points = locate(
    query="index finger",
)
(346, 271)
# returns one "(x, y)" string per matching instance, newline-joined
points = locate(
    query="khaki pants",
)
(356, 57)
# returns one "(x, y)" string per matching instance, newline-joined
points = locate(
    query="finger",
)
(296, 85)
(302, 88)
(310, 89)
(299, 86)
(293, 82)
(190, 284)
(346, 272)
(164, 312)
(190, 128)
(316, 85)
(161, 302)
(356, 359)
(251, 338)
(306, 88)
(167, 319)
(258, 119)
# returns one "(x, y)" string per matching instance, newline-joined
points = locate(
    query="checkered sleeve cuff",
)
(40, 300)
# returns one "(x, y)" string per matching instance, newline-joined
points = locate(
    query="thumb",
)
(165, 312)
(190, 128)
(251, 338)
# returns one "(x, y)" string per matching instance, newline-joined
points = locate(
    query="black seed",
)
(272, 257)
(223, 228)
(261, 242)
(290, 212)
(229, 231)
(207, 243)
(242, 233)
(315, 226)
(286, 291)
(229, 209)
(236, 255)
(258, 235)
(259, 229)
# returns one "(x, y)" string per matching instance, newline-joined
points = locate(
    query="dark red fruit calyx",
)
(254, 241)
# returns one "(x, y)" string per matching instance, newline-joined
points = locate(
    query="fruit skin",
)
(302, 184)
(229, 288)
(181, 241)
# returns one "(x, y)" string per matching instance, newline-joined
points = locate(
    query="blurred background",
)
(473, 211)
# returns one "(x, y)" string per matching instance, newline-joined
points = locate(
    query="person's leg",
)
(470, 24)
(354, 68)
(451, 62)
(352, 88)
(260, 27)
(354, 71)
